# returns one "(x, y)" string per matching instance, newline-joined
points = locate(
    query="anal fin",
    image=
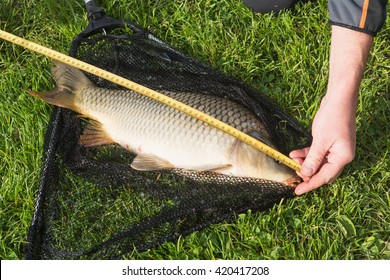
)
(94, 135)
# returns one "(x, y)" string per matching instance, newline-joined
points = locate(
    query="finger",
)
(298, 160)
(302, 188)
(313, 160)
(328, 173)
(299, 153)
(304, 178)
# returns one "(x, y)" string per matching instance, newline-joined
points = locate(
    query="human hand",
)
(333, 146)
(334, 126)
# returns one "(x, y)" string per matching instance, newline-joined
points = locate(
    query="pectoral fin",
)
(262, 137)
(94, 135)
(148, 162)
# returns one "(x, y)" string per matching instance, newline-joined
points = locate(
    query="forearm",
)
(348, 55)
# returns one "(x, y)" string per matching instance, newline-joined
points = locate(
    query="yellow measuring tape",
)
(152, 94)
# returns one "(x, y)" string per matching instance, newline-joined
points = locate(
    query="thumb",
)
(313, 160)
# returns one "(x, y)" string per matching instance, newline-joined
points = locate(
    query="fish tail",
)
(70, 82)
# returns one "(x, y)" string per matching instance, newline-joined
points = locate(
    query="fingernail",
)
(298, 191)
(307, 171)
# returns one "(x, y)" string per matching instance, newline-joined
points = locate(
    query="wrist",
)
(344, 91)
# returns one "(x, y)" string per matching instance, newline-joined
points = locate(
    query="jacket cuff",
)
(369, 32)
(366, 16)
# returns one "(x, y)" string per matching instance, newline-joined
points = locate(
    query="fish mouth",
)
(293, 181)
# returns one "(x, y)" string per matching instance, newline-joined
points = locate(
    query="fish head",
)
(254, 163)
(293, 181)
(271, 169)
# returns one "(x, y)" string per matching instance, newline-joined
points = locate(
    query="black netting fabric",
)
(92, 205)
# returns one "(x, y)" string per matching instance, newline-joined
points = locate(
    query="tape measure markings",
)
(152, 94)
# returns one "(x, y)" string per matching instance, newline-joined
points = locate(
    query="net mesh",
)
(92, 205)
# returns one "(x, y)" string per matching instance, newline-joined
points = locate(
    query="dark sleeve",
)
(367, 16)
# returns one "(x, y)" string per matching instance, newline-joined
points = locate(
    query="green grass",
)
(285, 57)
